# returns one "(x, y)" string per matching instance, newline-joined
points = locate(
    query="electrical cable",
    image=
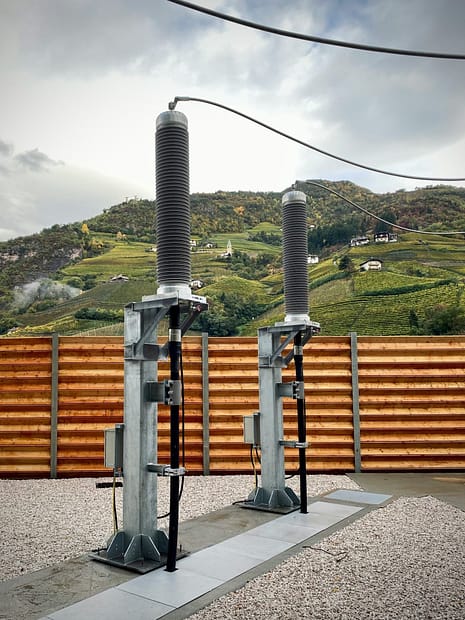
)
(252, 460)
(376, 217)
(115, 513)
(173, 103)
(183, 420)
(183, 411)
(183, 431)
(314, 39)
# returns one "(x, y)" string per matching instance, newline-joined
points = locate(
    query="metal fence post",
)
(205, 407)
(54, 407)
(355, 400)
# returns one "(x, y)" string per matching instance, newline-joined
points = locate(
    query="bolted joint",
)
(298, 390)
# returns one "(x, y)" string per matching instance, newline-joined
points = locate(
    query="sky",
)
(83, 81)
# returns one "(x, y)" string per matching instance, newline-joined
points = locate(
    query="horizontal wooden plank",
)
(412, 397)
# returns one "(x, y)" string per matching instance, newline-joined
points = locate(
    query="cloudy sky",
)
(82, 82)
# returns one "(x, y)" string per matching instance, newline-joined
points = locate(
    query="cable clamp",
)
(293, 444)
(166, 470)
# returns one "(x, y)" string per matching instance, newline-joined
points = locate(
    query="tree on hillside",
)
(346, 264)
(442, 320)
(382, 227)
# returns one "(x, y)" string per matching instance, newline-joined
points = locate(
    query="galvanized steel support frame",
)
(273, 494)
(141, 546)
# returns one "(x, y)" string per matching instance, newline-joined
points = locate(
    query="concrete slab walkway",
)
(209, 571)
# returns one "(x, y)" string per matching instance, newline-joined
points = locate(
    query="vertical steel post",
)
(140, 437)
(355, 401)
(271, 419)
(205, 407)
(54, 408)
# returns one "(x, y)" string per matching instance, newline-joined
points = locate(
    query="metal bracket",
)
(313, 328)
(168, 392)
(291, 329)
(292, 389)
(293, 444)
(166, 470)
(159, 305)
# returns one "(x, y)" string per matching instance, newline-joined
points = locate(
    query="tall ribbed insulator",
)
(173, 203)
(295, 255)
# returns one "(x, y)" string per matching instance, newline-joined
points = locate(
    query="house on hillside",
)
(196, 284)
(385, 237)
(372, 264)
(119, 278)
(357, 241)
(312, 259)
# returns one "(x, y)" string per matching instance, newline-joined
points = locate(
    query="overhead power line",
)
(314, 39)
(173, 103)
(376, 217)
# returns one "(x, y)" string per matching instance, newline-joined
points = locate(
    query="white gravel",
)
(402, 561)
(44, 522)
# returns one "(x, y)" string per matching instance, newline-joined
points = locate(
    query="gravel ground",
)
(404, 561)
(44, 522)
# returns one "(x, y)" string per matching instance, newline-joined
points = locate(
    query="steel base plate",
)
(139, 566)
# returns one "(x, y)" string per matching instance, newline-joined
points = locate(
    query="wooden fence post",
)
(205, 407)
(54, 407)
(355, 400)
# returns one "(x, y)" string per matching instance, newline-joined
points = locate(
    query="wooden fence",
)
(373, 404)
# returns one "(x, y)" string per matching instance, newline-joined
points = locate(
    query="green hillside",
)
(77, 278)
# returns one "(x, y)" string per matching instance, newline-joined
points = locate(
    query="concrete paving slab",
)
(174, 589)
(113, 604)
(255, 546)
(448, 487)
(359, 497)
(219, 562)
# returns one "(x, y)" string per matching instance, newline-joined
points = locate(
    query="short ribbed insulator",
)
(172, 203)
(295, 256)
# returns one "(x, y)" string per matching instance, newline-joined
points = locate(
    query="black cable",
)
(174, 347)
(183, 430)
(183, 412)
(291, 476)
(376, 217)
(301, 421)
(252, 460)
(115, 512)
(173, 103)
(314, 39)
